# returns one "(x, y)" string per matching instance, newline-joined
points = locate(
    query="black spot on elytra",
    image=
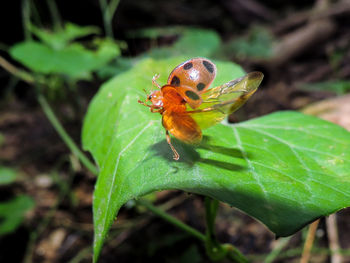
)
(175, 81)
(188, 65)
(208, 66)
(200, 86)
(192, 95)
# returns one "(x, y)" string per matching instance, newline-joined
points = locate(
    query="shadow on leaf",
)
(190, 156)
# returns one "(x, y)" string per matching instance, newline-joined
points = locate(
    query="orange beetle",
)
(187, 105)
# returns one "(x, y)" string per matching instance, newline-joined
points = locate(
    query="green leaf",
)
(285, 169)
(74, 60)
(7, 175)
(60, 39)
(12, 213)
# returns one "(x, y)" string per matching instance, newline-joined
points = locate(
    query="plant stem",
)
(26, 19)
(105, 17)
(215, 250)
(211, 207)
(112, 8)
(64, 136)
(56, 18)
(171, 219)
(108, 11)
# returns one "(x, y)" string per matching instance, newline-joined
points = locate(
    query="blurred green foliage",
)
(192, 42)
(7, 175)
(62, 37)
(338, 86)
(257, 44)
(57, 55)
(73, 60)
(12, 211)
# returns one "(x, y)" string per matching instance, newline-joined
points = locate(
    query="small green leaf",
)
(60, 39)
(74, 60)
(7, 175)
(285, 169)
(12, 213)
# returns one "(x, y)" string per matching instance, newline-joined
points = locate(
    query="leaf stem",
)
(26, 19)
(215, 250)
(105, 17)
(108, 11)
(55, 15)
(171, 219)
(64, 135)
(211, 207)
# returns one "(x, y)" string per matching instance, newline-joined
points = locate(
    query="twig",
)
(280, 244)
(21, 74)
(296, 19)
(332, 230)
(296, 42)
(254, 8)
(319, 27)
(309, 242)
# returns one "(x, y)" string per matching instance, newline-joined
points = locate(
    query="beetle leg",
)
(144, 104)
(153, 109)
(176, 156)
(154, 81)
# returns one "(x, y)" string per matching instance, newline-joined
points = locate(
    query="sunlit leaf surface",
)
(285, 169)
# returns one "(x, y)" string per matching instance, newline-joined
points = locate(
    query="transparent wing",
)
(223, 100)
